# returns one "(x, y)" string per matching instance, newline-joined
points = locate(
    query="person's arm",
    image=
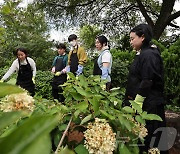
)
(14, 67)
(106, 59)
(82, 56)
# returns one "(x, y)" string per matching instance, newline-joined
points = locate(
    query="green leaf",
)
(83, 81)
(123, 149)
(62, 127)
(82, 106)
(136, 106)
(8, 118)
(86, 119)
(81, 91)
(139, 119)
(95, 104)
(77, 96)
(125, 122)
(151, 117)
(128, 109)
(80, 149)
(27, 133)
(71, 75)
(107, 115)
(7, 89)
(40, 145)
(66, 151)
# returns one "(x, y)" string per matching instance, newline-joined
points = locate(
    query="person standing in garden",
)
(103, 63)
(77, 57)
(59, 64)
(26, 68)
(145, 82)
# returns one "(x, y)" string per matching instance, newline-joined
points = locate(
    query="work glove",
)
(80, 70)
(139, 100)
(57, 73)
(1, 81)
(33, 79)
(53, 70)
(67, 68)
(105, 73)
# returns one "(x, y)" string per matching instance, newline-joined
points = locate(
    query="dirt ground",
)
(173, 120)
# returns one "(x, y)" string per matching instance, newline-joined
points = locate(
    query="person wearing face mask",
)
(59, 63)
(103, 64)
(26, 68)
(146, 84)
(77, 57)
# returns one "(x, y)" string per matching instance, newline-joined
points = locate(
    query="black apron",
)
(59, 80)
(96, 70)
(133, 81)
(24, 78)
(74, 62)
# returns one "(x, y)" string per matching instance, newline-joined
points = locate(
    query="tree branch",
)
(144, 13)
(64, 134)
(70, 6)
(173, 25)
(174, 16)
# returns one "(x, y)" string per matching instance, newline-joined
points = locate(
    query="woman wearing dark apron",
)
(60, 77)
(145, 83)
(77, 57)
(103, 63)
(26, 68)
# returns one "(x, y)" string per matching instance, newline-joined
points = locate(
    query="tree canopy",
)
(113, 16)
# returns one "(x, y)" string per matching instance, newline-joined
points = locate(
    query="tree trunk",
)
(162, 21)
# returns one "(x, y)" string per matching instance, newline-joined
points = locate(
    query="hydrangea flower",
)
(14, 102)
(99, 137)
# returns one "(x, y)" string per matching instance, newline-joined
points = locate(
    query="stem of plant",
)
(64, 134)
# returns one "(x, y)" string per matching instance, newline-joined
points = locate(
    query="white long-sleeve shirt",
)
(15, 67)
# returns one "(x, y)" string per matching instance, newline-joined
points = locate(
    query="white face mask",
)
(73, 43)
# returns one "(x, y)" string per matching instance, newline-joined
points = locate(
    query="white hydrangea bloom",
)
(154, 151)
(99, 137)
(20, 101)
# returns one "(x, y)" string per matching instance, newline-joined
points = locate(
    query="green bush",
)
(43, 84)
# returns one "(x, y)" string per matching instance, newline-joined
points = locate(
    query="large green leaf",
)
(123, 149)
(82, 106)
(7, 89)
(86, 119)
(80, 149)
(128, 109)
(95, 104)
(107, 115)
(27, 133)
(8, 118)
(151, 116)
(139, 119)
(40, 145)
(77, 96)
(81, 91)
(66, 151)
(136, 106)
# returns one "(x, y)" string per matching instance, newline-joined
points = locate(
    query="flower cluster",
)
(140, 130)
(20, 101)
(154, 151)
(99, 137)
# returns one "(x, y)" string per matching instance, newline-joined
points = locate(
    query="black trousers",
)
(152, 126)
(56, 92)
